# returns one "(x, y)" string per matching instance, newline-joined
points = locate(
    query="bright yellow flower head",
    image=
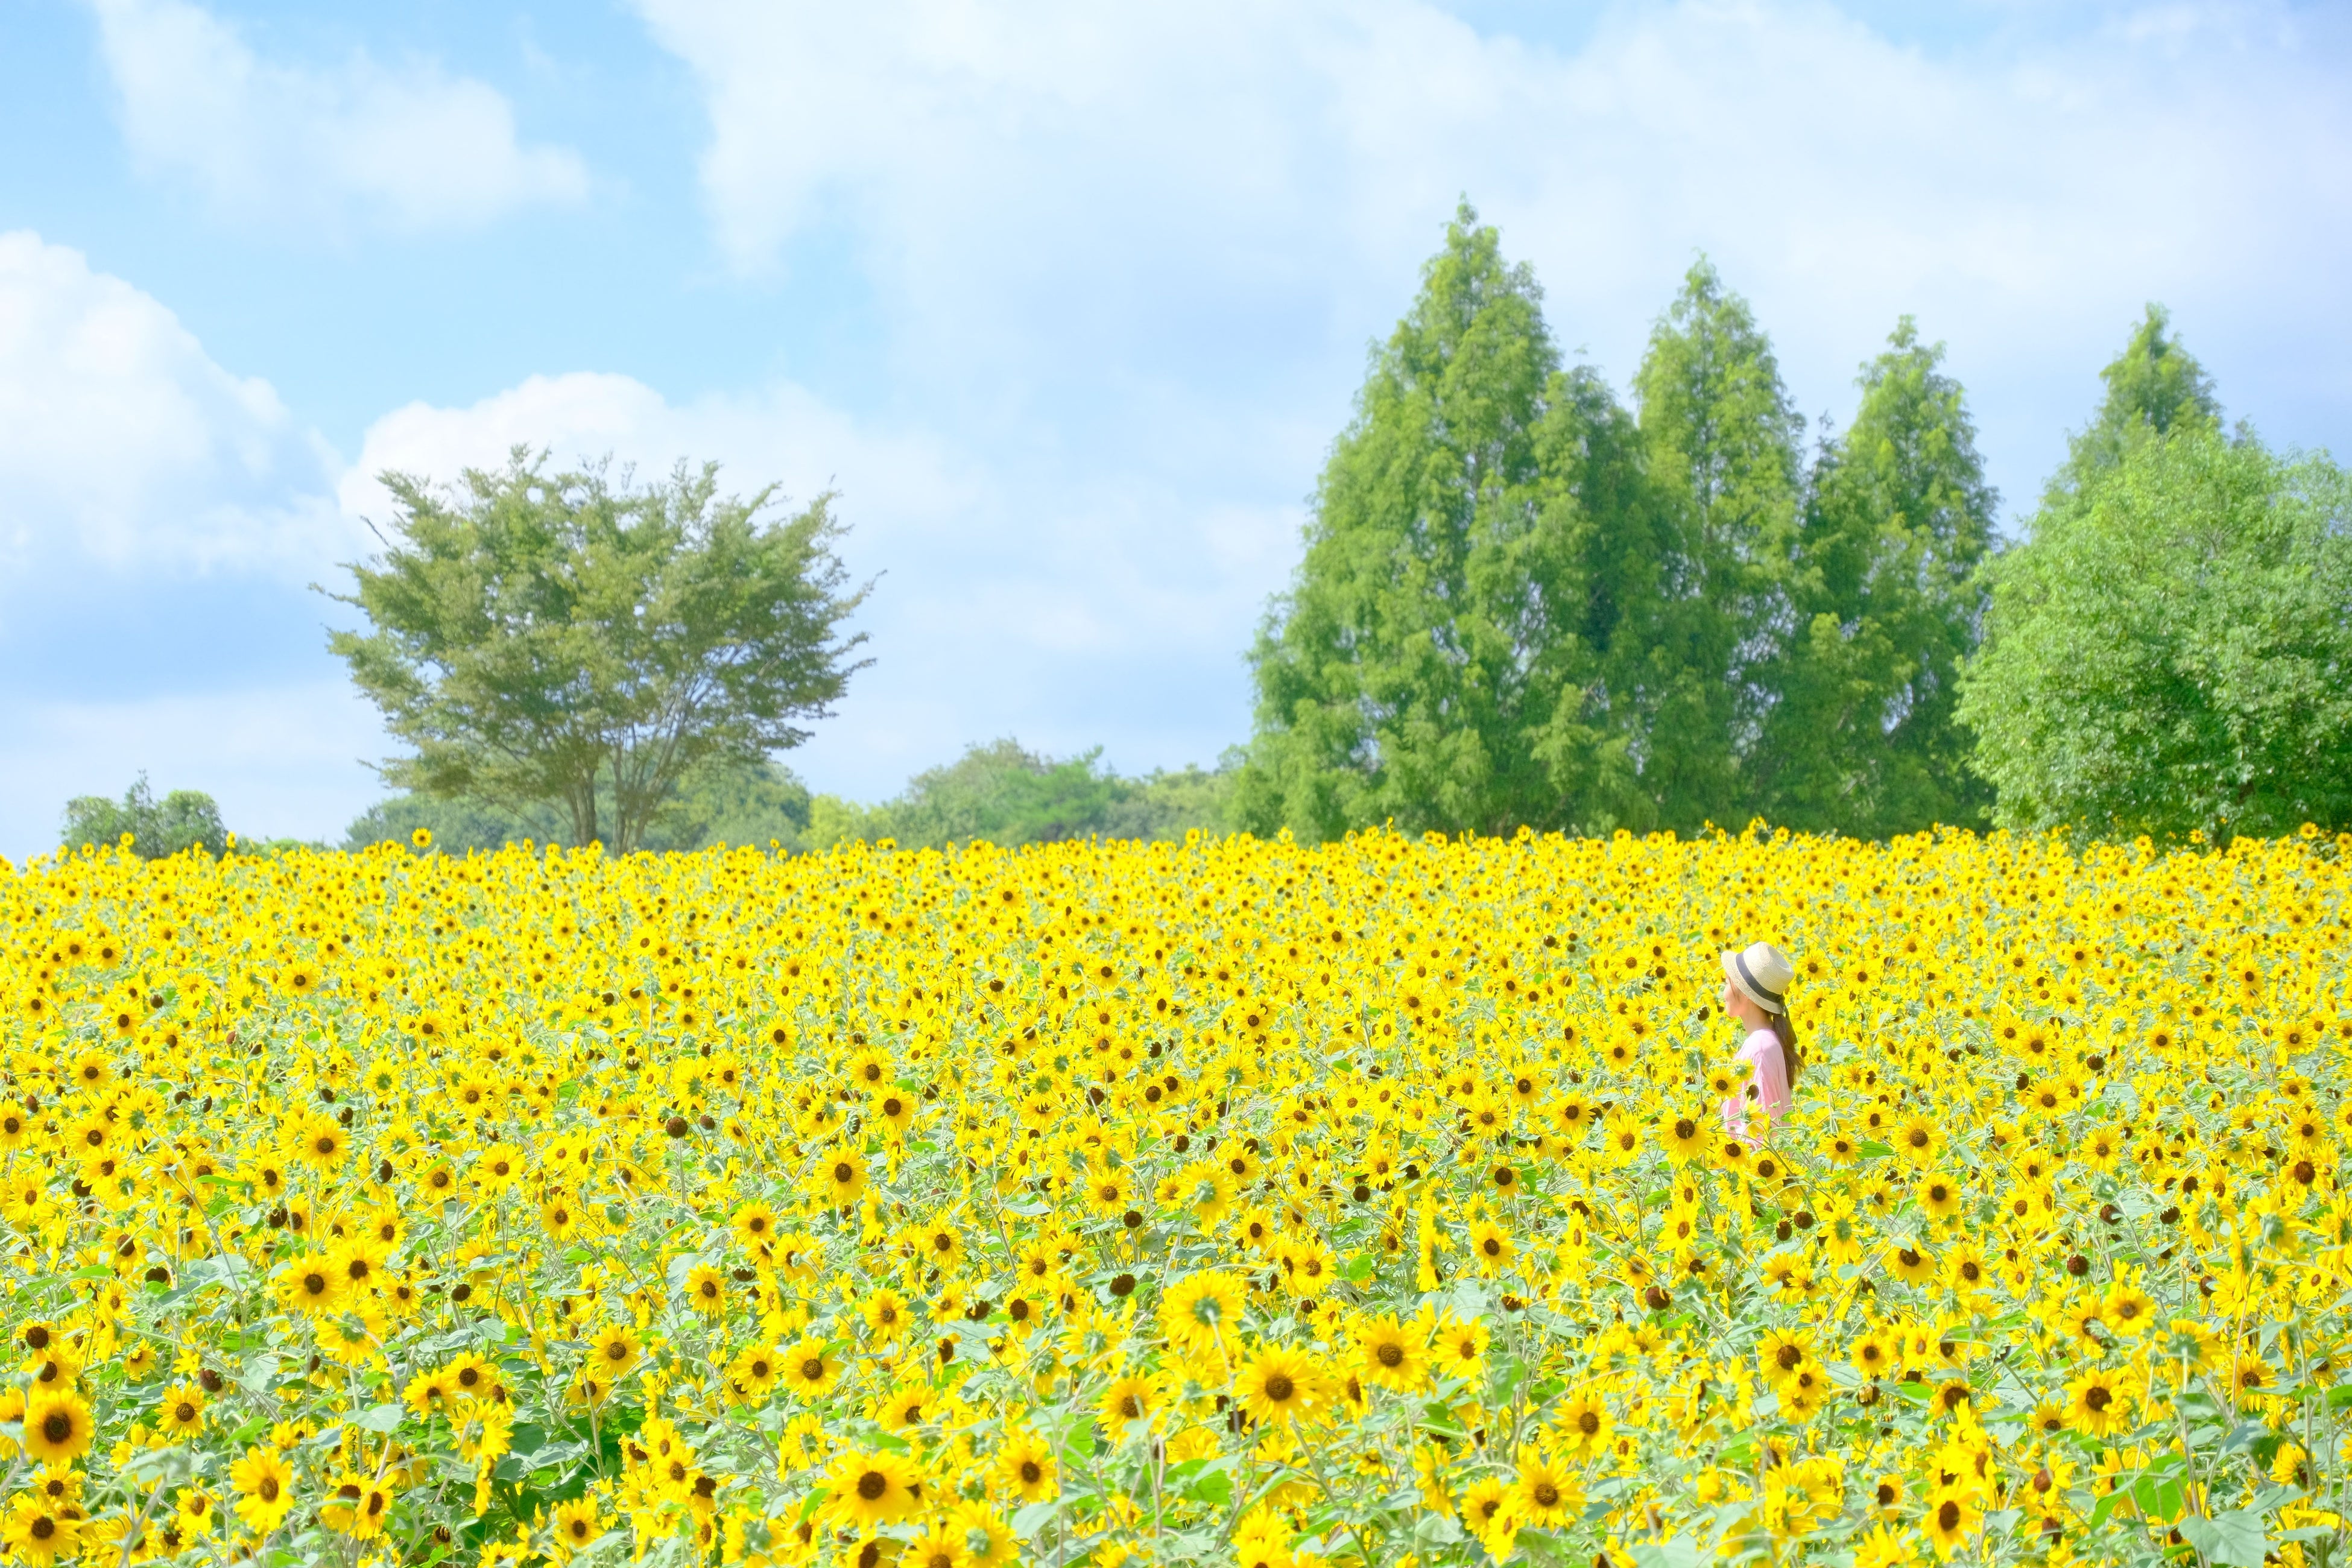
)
(872, 1487)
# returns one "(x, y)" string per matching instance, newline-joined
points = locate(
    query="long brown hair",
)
(1786, 1033)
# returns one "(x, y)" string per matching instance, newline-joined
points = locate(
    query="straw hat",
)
(1762, 975)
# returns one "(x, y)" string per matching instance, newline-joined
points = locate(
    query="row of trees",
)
(1003, 792)
(1006, 793)
(1523, 602)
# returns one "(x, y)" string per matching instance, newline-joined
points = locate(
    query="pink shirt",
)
(1768, 1082)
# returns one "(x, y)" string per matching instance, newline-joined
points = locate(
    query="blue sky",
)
(1066, 299)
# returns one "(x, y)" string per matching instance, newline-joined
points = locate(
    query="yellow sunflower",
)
(1279, 1384)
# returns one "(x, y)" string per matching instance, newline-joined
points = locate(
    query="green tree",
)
(1608, 594)
(1009, 794)
(1006, 793)
(832, 820)
(560, 639)
(456, 825)
(1721, 439)
(1168, 803)
(184, 819)
(1427, 664)
(1862, 736)
(740, 804)
(2154, 387)
(2176, 656)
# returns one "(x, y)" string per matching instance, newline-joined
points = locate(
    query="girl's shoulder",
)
(1758, 1042)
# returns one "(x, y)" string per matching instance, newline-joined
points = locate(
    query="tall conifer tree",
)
(2154, 387)
(1721, 441)
(1430, 664)
(1886, 603)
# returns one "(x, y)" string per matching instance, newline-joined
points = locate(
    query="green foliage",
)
(1861, 737)
(456, 825)
(562, 641)
(1165, 804)
(184, 819)
(1001, 791)
(1520, 605)
(754, 804)
(1431, 664)
(1720, 438)
(1008, 794)
(2171, 650)
(2154, 387)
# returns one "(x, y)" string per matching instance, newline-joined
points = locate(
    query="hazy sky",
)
(1066, 301)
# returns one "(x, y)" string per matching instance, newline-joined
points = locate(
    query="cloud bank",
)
(1064, 199)
(159, 518)
(123, 444)
(406, 148)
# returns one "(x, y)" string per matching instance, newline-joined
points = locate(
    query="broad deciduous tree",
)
(2172, 652)
(559, 637)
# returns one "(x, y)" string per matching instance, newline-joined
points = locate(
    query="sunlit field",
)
(1230, 1202)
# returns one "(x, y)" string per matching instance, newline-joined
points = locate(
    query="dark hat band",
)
(1769, 998)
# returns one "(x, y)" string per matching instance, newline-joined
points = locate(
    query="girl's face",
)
(1735, 1004)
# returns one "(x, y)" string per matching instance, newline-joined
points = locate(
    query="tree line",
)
(1000, 791)
(1522, 601)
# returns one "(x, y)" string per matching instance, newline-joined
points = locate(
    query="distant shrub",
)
(184, 819)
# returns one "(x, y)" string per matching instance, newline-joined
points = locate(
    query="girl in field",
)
(1754, 988)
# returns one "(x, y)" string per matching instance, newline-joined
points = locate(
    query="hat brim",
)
(1731, 972)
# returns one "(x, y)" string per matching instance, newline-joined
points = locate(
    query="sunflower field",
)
(1228, 1202)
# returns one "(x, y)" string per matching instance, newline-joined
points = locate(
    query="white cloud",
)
(407, 148)
(1111, 208)
(783, 435)
(282, 760)
(122, 444)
